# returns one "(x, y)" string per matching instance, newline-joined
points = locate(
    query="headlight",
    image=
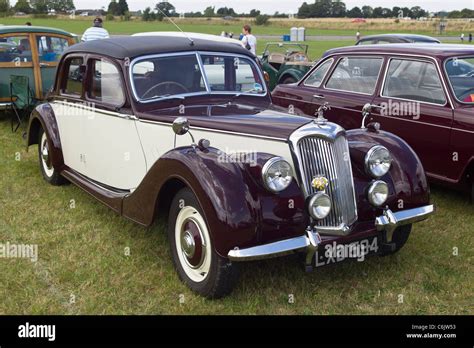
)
(378, 193)
(319, 206)
(277, 174)
(378, 161)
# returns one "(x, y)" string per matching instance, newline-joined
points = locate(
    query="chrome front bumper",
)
(309, 242)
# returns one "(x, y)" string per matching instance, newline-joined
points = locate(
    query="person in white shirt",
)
(248, 40)
(96, 32)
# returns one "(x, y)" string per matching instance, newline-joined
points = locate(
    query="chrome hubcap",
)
(188, 244)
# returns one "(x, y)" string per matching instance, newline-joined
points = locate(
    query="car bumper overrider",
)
(310, 241)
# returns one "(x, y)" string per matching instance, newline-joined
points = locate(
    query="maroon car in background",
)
(423, 93)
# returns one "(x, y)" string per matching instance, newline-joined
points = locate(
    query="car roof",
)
(423, 49)
(401, 36)
(193, 36)
(135, 46)
(11, 29)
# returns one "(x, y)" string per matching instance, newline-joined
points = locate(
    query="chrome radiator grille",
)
(332, 160)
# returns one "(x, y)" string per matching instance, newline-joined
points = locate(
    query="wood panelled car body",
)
(423, 93)
(136, 123)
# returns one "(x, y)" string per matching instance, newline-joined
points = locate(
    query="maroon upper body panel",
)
(440, 128)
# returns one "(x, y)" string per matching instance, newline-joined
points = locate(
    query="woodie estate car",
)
(137, 123)
(423, 93)
(33, 52)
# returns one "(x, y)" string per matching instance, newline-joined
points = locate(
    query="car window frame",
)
(382, 57)
(30, 38)
(69, 40)
(332, 59)
(88, 82)
(208, 91)
(63, 77)
(451, 89)
(420, 59)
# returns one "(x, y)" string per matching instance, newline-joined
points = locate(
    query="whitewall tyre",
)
(194, 257)
(50, 174)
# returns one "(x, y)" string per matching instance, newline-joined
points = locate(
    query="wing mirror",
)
(367, 111)
(181, 126)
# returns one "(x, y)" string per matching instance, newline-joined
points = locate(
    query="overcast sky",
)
(286, 6)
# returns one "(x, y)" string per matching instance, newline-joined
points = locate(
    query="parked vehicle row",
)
(422, 93)
(156, 126)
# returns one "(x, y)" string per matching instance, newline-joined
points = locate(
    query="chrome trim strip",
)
(98, 110)
(390, 221)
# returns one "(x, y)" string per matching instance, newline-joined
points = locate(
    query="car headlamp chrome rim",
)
(378, 193)
(277, 174)
(378, 161)
(319, 206)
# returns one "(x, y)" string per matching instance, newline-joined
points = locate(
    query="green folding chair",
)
(21, 97)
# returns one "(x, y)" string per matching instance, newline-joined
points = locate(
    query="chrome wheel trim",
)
(199, 272)
(45, 157)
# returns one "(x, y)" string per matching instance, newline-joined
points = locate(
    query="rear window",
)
(460, 73)
(73, 77)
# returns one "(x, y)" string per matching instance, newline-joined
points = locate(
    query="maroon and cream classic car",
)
(185, 128)
(423, 93)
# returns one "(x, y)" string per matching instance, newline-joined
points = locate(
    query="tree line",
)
(318, 9)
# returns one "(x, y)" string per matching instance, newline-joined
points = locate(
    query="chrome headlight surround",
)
(378, 193)
(378, 161)
(319, 206)
(277, 174)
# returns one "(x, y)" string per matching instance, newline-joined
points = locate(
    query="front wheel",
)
(194, 258)
(50, 174)
(400, 237)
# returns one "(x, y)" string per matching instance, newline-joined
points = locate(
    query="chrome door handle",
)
(318, 96)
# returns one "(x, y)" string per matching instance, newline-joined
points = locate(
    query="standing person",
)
(462, 37)
(358, 36)
(470, 37)
(248, 40)
(96, 32)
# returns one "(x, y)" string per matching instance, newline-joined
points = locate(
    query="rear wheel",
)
(50, 174)
(195, 260)
(472, 192)
(400, 237)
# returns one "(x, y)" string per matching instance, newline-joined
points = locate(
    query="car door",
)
(111, 145)
(351, 84)
(49, 48)
(414, 106)
(15, 59)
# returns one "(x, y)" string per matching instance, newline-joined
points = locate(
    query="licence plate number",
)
(335, 253)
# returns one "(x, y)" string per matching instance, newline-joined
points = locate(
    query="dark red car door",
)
(413, 104)
(347, 86)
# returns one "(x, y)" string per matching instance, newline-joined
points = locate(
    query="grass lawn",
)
(216, 26)
(83, 267)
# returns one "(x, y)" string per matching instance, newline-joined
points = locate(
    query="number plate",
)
(338, 252)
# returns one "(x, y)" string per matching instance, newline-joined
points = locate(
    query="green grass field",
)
(216, 26)
(83, 267)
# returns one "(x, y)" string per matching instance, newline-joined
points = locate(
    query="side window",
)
(15, 49)
(106, 83)
(356, 74)
(414, 80)
(50, 48)
(317, 77)
(72, 79)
